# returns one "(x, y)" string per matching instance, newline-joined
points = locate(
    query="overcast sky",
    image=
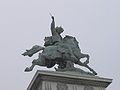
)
(24, 23)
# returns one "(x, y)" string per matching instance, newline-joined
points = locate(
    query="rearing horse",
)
(61, 52)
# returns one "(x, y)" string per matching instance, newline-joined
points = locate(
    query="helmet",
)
(59, 30)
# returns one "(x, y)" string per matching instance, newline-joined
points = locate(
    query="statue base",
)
(55, 80)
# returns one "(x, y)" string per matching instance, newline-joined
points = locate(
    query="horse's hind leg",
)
(35, 62)
(31, 67)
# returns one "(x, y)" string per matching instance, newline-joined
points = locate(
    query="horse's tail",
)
(33, 50)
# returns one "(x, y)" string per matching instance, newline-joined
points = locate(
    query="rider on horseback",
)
(62, 51)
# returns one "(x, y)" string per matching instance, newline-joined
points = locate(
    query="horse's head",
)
(48, 41)
(70, 40)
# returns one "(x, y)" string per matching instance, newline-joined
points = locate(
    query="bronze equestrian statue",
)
(64, 52)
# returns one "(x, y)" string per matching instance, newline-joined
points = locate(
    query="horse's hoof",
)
(86, 62)
(28, 69)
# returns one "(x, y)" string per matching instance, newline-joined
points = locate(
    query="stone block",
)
(54, 80)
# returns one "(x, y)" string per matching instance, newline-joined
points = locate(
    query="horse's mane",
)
(68, 37)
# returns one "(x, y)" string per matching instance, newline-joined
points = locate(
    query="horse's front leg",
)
(85, 65)
(91, 69)
(85, 56)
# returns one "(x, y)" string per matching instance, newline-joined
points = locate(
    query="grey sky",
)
(24, 23)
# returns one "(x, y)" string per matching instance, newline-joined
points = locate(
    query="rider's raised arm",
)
(53, 31)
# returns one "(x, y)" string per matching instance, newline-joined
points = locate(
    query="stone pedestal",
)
(52, 80)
